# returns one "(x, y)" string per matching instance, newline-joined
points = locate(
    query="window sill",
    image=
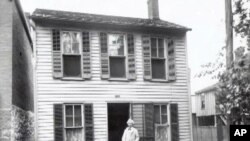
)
(119, 79)
(160, 80)
(72, 78)
(78, 127)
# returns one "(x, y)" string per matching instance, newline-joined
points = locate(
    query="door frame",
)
(116, 102)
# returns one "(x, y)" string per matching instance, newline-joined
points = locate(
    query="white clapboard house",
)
(93, 72)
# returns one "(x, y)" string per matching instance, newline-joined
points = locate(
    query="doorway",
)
(118, 114)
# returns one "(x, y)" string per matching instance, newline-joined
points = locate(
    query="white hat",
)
(130, 121)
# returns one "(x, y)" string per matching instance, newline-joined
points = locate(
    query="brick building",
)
(16, 71)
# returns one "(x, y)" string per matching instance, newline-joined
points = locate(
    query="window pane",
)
(157, 114)
(160, 48)
(153, 47)
(74, 135)
(71, 66)
(66, 41)
(71, 42)
(164, 119)
(116, 44)
(161, 133)
(117, 67)
(75, 43)
(78, 110)
(69, 110)
(78, 121)
(69, 121)
(158, 69)
(78, 115)
(163, 109)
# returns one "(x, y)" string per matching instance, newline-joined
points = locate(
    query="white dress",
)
(130, 134)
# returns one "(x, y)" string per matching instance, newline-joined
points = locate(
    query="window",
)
(73, 122)
(153, 120)
(71, 44)
(161, 122)
(158, 58)
(206, 120)
(160, 114)
(116, 52)
(202, 101)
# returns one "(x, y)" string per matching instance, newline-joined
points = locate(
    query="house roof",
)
(208, 89)
(104, 19)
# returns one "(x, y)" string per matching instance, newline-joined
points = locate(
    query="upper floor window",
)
(71, 54)
(71, 42)
(158, 60)
(117, 58)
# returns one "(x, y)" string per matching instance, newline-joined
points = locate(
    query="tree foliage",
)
(233, 93)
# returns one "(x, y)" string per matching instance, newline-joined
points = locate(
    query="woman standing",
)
(130, 133)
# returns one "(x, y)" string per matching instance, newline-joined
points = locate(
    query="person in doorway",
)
(130, 133)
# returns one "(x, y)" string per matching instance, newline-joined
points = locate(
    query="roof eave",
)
(37, 18)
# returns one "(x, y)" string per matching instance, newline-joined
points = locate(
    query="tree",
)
(233, 93)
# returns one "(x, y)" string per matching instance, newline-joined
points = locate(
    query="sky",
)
(205, 17)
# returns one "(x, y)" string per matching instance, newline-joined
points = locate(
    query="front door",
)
(118, 114)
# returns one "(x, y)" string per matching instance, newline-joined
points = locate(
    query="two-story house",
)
(93, 72)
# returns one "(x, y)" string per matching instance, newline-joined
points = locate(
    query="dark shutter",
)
(174, 122)
(143, 116)
(58, 122)
(171, 60)
(89, 126)
(104, 55)
(56, 52)
(131, 57)
(86, 58)
(146, 50)
(149, 122)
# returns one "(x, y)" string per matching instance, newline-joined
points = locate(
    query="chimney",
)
(153, 9)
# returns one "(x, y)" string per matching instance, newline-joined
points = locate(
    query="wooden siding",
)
(210, 104)
(51, 91)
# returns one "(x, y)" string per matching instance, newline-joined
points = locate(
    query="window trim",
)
(80, 54)
(125, 56)
(77, 127)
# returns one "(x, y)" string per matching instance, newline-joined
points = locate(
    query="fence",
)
(209, 133)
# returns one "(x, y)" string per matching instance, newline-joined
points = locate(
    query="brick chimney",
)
(153, 9)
